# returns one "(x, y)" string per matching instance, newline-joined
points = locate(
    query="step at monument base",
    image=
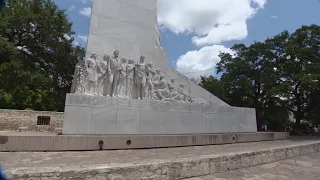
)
(151, 164)
(32, 141)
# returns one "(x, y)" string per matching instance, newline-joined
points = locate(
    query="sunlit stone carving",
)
(114, 67)
(78, 78)
(119, 77)
(91, 76)
(103, 76)
(141, 78)
(122, 78)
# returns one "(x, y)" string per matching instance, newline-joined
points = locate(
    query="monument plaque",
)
(85, 100)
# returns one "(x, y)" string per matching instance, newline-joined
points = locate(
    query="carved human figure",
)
(149, 81)
(91, 76)
(161, 89)
(129, 78)
(122, 78)
(171, 87)
(156, 77)
(181, 96)
(140, 79)
(78, 78)
(103, 75)
(114, 67)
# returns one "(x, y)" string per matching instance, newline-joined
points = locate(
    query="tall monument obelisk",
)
(127, 25)
(130, 26)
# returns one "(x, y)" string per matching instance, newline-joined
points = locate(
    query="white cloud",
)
(75, 43)
(201, 62)
(222, 33)
(210, 21)
(85, 11)
(83, 38)
(71, 8)
(274, 17)
(260, 3)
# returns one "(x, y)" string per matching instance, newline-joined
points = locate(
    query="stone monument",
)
(129, 87)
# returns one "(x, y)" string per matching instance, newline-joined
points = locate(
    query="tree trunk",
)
(298, 122)
(258, 120)
(298, 117)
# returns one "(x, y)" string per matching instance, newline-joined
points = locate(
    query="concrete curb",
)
(168, 170)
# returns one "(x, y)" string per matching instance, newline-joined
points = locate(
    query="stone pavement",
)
(11, 160)
(301, 168)
(154, 164)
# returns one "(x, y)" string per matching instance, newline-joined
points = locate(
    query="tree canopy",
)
(276, 76)
(37, 56)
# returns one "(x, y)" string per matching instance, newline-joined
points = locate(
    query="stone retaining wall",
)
(11, 120)
(168, 170)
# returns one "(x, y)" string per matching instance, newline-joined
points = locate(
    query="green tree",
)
(276, 76)
(214, 86)
(313, 108)
(37, 57)
(2, 3)
(249, 79)
(298, 72)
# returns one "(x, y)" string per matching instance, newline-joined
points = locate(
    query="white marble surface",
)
(132, 116)
(116, 29)
(78, 120)
(85, 100)
(103, 120)
(106, 8)
(127, 121)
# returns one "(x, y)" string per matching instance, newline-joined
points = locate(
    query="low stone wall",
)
(11, 120)
(33, 142)
(167, 170)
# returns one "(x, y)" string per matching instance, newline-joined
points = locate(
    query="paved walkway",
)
(12, 160)
(300, 168)
(36, 162)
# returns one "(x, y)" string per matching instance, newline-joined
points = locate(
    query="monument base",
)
(32, 141)
(98, 115)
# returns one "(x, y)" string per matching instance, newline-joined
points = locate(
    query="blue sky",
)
(249, 20)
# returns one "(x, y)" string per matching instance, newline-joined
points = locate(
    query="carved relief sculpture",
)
(150, 74)
(114, 67)
(78, 79)
(140, 78)
(91, 76)
(171, 87)
(181, 96)
(156, 77)
(129, 78)
(122, 78)
(161, 89)
(103, 75)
